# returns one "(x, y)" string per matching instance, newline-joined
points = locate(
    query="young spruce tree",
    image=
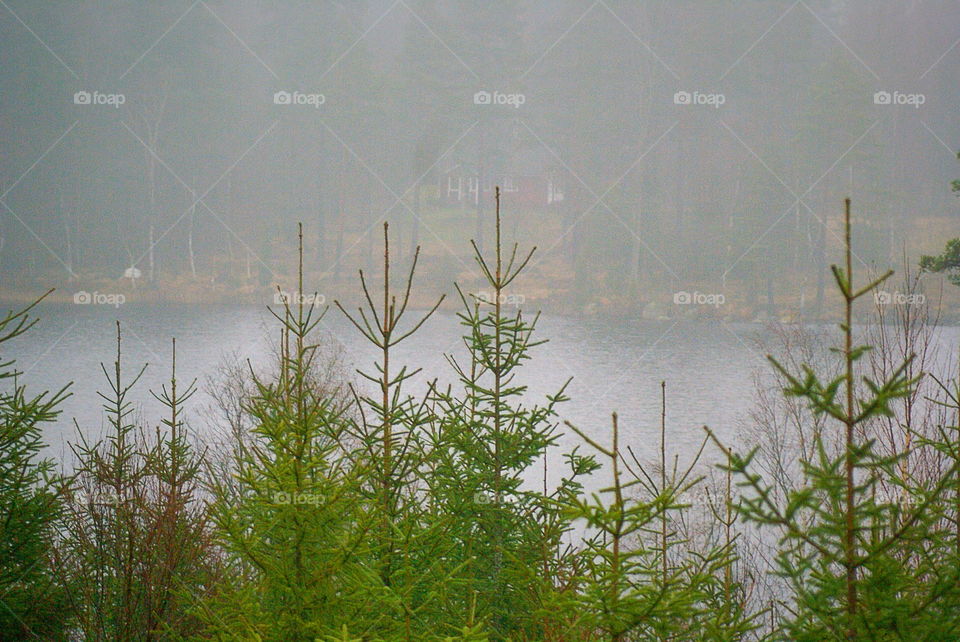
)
(486, 443)
(860, 563)
(32, 601)
(293, 520)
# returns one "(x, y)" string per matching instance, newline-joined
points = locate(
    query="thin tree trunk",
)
(193, 216)
(849, 541)
(415, 232)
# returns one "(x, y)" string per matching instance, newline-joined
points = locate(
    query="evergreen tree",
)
(134, 540)
(486, 442)
(641, 579)
(32, 601)
(948, 262)
(860, 563)
(292, 518)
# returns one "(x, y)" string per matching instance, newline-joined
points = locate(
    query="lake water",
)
(615, 365)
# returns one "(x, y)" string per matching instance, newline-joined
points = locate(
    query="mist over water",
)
(616, 366)
(671, 192)
(680, 168)
(708, 367)
(166, 151)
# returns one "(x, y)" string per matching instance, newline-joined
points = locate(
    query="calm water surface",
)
(614, 365)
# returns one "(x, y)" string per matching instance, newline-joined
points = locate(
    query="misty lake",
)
(616, 365)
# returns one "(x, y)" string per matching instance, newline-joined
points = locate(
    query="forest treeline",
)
(176, 181)
(325, 510)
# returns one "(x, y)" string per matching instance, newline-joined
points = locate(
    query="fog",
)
(267, 424)
(649, 150)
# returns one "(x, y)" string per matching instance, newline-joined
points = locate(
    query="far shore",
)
(698, 302)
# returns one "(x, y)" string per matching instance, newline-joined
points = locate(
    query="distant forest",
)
(204, 168)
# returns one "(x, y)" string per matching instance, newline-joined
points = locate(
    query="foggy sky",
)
(602, 97)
